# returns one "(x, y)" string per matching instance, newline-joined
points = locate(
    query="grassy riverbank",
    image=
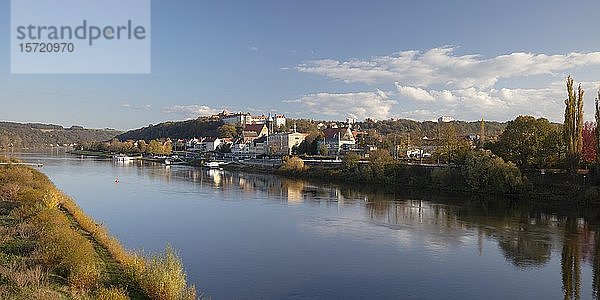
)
(50, 249)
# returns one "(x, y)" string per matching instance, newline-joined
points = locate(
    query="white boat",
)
(123, 158)
(212, 164)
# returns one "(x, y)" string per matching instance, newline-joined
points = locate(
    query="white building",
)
(208, 144)
(237, 119)
(445, 119)
(280, 121)
(212, 144)
(190, 144)
(242, 119)
(283, 143)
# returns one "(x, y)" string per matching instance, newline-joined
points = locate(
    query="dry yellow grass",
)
(111, 294)
(46, 216)
(164, 278)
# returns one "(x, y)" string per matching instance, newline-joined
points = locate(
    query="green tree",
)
(484, 171)
(573, 125)
(529, 142)
(350, 161)
(379, 160)
(228, 131)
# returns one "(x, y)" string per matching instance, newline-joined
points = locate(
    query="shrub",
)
(9, 191)
(22, 276)
(294, 164)
(165, 279)
(484, 171)
(51, 199)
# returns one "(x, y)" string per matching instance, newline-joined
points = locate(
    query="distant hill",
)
(200, 127)
(203, 127)
(34, 135)
(430, 129)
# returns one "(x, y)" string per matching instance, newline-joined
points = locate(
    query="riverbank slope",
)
(50, 249)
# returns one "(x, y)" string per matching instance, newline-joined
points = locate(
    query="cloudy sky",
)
(330, 60)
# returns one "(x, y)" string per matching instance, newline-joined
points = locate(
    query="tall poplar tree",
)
(481, 133)
(573, 125)
(597, 130)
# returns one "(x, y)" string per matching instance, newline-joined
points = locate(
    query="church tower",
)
(270, 123)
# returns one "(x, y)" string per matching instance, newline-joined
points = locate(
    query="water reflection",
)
(526, 235)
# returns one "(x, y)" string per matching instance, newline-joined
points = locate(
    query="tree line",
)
(153, 147)
(535, 143)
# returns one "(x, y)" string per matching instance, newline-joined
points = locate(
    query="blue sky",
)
(330, 60)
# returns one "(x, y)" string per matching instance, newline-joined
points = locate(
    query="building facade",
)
(338, 140)
(283, 143)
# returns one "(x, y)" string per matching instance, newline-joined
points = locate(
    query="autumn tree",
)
(481, 133)
(167, 148)
(451, 145)
(573, 124)
(154, 147)
(142, 146)
(589, 142)
(293, 163)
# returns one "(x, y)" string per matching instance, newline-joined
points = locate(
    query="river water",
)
(248, 236)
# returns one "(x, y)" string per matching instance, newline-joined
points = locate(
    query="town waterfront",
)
(249, 236)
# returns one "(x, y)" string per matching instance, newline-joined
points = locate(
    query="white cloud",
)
(136, 107)
(497, 104)
(439, 82)
(415, 93)
(440, 66)
(254, 48)
(360, 105)
(190, 111)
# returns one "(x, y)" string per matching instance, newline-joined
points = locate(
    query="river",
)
(249, 236)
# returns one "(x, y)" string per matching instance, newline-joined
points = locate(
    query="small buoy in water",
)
(117, 180)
